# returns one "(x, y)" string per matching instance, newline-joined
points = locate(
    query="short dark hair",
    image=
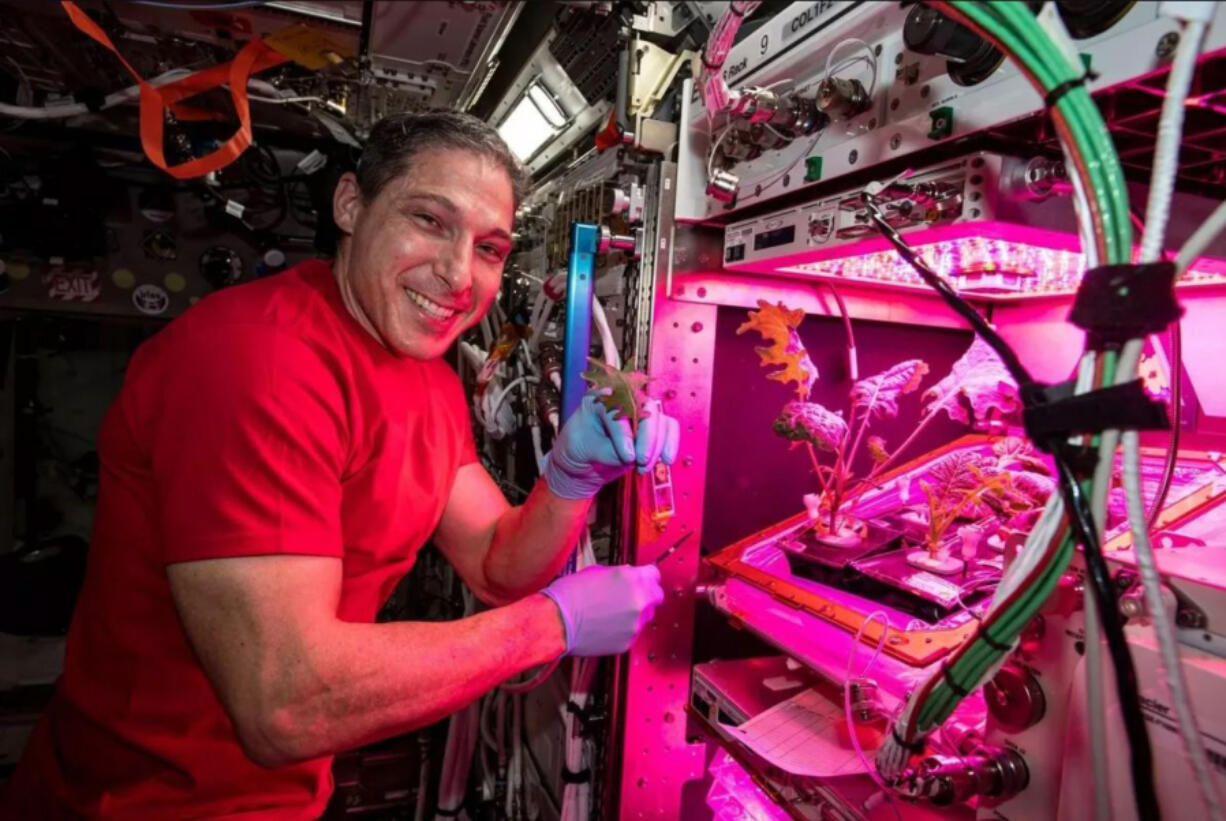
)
(396, 139)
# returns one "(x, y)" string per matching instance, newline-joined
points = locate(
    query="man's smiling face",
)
(423, 260)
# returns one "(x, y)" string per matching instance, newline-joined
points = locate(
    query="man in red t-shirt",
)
(272, 465)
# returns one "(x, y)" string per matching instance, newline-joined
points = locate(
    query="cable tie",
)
(583, 776)
(1056, 94)
(983, 634)
(959, 690)
(913, 747)
(586, 716)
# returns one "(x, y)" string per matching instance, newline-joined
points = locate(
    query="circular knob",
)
(220, 266)
(1015, 698)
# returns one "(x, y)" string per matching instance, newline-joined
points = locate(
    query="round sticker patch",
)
(123, 278)
(151, 299)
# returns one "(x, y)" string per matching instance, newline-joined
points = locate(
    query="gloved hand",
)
(604, 608)
(595, 447)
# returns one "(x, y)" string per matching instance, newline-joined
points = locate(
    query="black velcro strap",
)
(959, 690)
(915, 747)
(586, 716)
(1059, 91)
(1116, 303)
(581, 777)
(991, 642)
(1060, 413)
(449, 813)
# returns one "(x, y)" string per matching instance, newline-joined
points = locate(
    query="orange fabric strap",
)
(252, 58)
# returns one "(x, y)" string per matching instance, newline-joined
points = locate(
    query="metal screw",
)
(895, 141)
(757, 190)
(787, 180)
(1166, 45)
(688, 461)
(670, 394)
(702, 292)
(852, 157)
(877, 50)
(696, 327)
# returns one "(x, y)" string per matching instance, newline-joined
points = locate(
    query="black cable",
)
(1142, 759)
(960, 306)
(1172, 453)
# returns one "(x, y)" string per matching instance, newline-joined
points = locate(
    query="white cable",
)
(1167, 640)
(1201, 239)
(871, 59)
(715, 148)
(1157, 213)
(537, 448)
(1170, 129)
(607, 344)
(1096, 715)
(506, 392)
(487, 335)
(847, 716)
(64, 110)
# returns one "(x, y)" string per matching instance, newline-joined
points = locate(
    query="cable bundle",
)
(716, 95)
(1045, 55)
(1107, 235)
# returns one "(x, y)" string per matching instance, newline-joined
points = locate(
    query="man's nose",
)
(454, 266)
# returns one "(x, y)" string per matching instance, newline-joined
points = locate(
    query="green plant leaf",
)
(622, 392)
(877, 396)
(976, 388)
(811, 422)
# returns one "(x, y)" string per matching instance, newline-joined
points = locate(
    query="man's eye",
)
(428, 220)
(493, 252)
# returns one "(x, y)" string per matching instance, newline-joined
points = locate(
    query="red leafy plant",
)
(836, 437)
(972, 486)
(977, 391)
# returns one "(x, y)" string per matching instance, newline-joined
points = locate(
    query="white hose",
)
(611, 355)
(1200, 240)
(65, 110)
(1170, 130)
(1157, 214)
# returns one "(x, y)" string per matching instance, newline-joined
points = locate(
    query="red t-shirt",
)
(265, 420)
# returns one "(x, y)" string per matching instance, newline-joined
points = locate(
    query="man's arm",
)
(505, 552)
(298, 682)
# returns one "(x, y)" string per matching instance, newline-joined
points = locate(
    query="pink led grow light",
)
(998, 260)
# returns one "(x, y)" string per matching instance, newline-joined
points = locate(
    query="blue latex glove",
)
(603, 609)
(595, 447)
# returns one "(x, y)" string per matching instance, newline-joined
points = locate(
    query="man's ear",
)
(346, 202)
